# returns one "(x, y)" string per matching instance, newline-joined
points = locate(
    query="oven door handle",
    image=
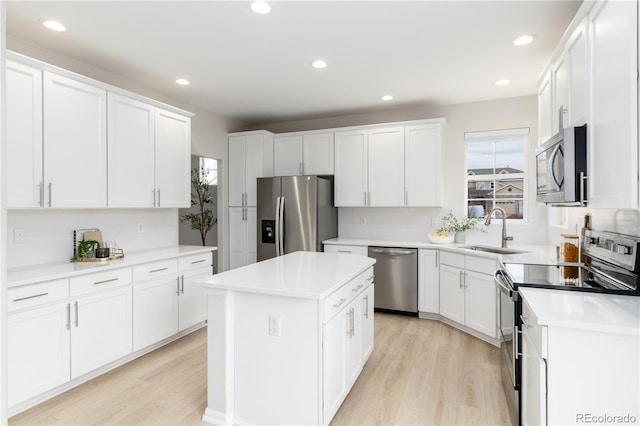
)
(496, 277)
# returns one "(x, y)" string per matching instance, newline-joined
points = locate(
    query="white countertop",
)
(537, 254)
(585, 311)
(32, 274)
(307, 275)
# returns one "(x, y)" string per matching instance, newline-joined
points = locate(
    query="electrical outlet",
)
(434, 222)
(363, 220)
(140, 227)
(19, 235)
(275, 326)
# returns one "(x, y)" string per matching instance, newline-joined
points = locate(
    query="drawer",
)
(195, 261)
(99, 281)
(361, 250)
(452, 259)
(155, 269)
(37, 294)
(345, 294)
(481, 264)
(536, 333)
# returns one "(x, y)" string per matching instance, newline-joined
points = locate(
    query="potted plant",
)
(203, 220)
(452, 224)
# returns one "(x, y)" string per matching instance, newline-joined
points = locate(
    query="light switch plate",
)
(275, 326)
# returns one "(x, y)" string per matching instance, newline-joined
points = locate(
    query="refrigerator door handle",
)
(281, 227)
(277, 226)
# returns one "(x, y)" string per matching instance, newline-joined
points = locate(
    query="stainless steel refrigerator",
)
(295, 213)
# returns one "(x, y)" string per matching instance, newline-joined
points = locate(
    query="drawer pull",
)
(344, 251)
(68, 324)
(77, 316)
(30, 297)
(370, 277)
(340, 302)
(110, 280)
(357, 288)
(198, 261)
(158, 270)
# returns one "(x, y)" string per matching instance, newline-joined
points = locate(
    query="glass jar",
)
(570, 253)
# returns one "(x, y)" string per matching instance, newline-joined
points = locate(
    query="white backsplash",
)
(49, 233)
(414, 224)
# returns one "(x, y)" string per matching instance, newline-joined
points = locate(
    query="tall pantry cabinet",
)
(250, 157)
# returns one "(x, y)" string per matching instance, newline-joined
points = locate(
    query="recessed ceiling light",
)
(386, 97)
(503, 82)
(523, 40)
(260, 7)
(319, 64)
(183, 82)
(54, 25)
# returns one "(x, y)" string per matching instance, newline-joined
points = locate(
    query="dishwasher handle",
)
(391, 251)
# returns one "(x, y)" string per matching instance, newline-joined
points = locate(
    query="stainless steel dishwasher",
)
(396, 272)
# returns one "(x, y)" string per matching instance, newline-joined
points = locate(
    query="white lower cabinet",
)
(101, 330)
(61, 330)
(428, 281)
(467, 292)
(347, 344)
(170, 302)
(242, 236)
(38, 351)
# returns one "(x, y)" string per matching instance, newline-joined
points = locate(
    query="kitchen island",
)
(287, 338)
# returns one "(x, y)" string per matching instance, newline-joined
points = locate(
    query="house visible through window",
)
(210, 166)
(496, 172)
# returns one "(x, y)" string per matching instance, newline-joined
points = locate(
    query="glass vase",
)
(460, 237)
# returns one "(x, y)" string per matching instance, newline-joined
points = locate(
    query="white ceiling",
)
(257, 68)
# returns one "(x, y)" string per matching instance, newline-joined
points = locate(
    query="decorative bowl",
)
(441, 238)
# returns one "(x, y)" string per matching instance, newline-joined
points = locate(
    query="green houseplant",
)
(452, 224)
(203, 220)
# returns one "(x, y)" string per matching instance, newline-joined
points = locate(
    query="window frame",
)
(497, 136)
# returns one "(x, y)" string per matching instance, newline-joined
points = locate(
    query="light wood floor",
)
(421, 372)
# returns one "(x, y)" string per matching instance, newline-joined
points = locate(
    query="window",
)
(209, 168)
(496, 172)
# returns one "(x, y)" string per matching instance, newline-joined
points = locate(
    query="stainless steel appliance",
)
(610, 265)
(396, 272)
(295, 213)
(561, 168)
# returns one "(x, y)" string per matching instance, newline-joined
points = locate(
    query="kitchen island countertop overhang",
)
(287, 337)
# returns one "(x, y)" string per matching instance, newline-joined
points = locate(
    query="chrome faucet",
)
(505, 238)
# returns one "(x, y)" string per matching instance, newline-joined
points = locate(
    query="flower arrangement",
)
(452, 224)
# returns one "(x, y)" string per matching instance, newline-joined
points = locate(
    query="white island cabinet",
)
(287, 338)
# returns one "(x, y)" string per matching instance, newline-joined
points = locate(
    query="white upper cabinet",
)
(386, 167)
(250, 157)
(131, 150)
(560, 103)
(577, 55)
(423, 165)
(392, 166)
(351, 168)
(303, 154)
(287, 155)
(172, 159)
(24, 136)
(545, 109)
(613, 133)
(75, 143)
(318, 153)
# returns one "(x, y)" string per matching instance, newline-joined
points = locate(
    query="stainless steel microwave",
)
(561, 168)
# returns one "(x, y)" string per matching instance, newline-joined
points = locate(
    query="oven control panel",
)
(618, 249)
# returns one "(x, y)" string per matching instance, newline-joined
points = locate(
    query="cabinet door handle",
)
(464, 279)
(41, 192)
(460, 279)
(365, 198)
(30, 297)
(198, 261)
(76, 322)
(106, 281)
(68, 324)
(158, 198)
(366, 306)
(406, 198)
(153, 191)
(338, 303)
(158, 270)
(178, 286)
(368, 198)
(353, 322)
(50, 193)
(182, 284)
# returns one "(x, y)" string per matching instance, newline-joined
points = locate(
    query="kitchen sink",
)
(496, 250)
